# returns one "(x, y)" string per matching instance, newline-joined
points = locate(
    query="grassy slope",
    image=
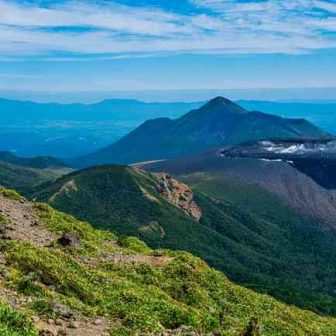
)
(139, 297)
(276, 251)
(23, 178)
(289, 236)
(39, 162)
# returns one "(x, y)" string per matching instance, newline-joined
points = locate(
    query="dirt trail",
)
(119, 258)
(80, 327)
(23, 224)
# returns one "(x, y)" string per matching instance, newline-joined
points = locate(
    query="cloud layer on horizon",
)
(68, 29)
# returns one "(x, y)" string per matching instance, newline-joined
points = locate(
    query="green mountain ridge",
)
(217, 123)
(25, 178)
(102, 284)
(23, 174)
(40, 162)
(275, 250)
(321, 113)
(16, 111)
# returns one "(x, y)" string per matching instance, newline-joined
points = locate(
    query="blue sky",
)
(134, 45)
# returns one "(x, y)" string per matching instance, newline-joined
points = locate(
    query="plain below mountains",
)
(217, 123)
(69, 130)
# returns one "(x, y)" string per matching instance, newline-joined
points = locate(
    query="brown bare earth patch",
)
(178, 194)
(23, 224)
(80, 327)
(66, 188)
(155, 260)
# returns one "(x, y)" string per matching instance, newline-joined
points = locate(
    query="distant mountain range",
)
(217, 123)
(15, 111)
(66, 130)
(322, 114)
(235, 191)
(69, 130)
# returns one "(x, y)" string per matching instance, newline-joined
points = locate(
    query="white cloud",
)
(79, 14)
(326, 5)
(123, 31)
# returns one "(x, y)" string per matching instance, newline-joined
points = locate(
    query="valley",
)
(167, 168)
(249, 193)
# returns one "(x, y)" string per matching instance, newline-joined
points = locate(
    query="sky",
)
(69, 46)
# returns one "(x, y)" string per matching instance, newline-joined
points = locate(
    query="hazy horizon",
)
(277, 95)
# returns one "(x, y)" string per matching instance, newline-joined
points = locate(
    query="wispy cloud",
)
(326, 5)
(119, 18)
(69, 29)
(19, 76)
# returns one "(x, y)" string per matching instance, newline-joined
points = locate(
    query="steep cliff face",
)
(178, 194)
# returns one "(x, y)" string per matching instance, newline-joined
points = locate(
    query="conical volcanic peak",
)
(224, 104)
(219, 122)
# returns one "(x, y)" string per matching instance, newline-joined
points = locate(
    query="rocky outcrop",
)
(21, 223)
(69, 240)
(178, 194)
(65, 189)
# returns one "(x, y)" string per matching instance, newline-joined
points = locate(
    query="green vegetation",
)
(3, 219)
(11, 194)
(273, 240)
(258, 242)
(40, 162)
(58, 222)
(23, 178)
(134, 244)
(13, 323)
(141, 296)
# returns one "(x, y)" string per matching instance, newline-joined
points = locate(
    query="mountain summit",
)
(223, 105)
(219, 122)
